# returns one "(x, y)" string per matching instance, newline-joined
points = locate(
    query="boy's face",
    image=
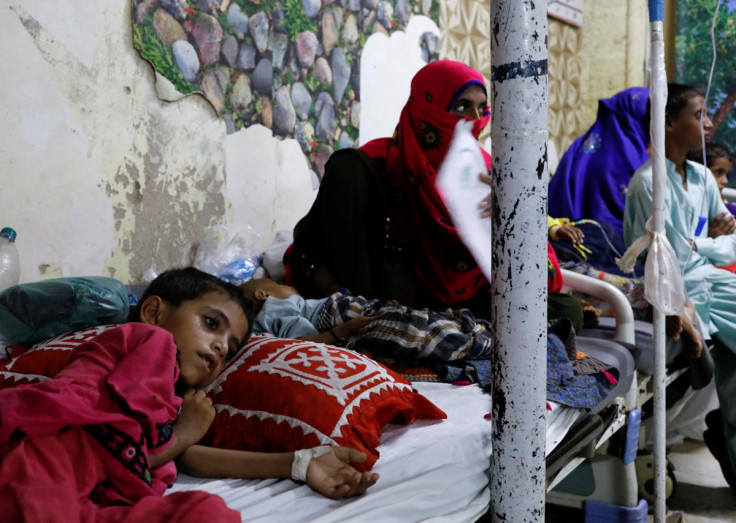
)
(720, 169)
(685, 128)
(206, 331)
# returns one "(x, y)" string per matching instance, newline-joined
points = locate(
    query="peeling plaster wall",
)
(103, 178)
(268, 182)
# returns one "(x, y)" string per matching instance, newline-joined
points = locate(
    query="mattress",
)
(430, 471)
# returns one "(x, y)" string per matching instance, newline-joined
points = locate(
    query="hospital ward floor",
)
(701, 494)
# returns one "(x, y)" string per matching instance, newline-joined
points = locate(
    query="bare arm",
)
(177, 446)
(721, 225)
(209, 462)
(194, 419)
(330, 474)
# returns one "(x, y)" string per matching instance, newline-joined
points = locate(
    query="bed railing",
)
(620, 306)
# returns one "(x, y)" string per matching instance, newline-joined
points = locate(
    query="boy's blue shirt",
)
(288, 318)
(684, 207)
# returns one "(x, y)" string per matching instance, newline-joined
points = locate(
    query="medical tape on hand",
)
(302, 459)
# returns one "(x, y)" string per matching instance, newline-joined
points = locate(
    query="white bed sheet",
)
(430, 471)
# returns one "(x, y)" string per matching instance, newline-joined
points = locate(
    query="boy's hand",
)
(332, 476)
(352, 326)
(195, 417)
(722, 224)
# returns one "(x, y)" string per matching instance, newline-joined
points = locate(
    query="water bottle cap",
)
(10, 233)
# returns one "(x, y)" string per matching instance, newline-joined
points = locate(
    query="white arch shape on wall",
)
(387, 66)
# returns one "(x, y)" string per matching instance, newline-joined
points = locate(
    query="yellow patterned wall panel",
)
(607, 54)
(465, 37)
(465, 33)
(564, 79)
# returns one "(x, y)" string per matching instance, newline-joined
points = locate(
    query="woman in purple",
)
(593, 174)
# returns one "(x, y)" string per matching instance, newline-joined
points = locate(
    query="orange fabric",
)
(729, 268)
(554, 276)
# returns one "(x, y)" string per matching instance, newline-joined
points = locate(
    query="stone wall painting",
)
(292, 66)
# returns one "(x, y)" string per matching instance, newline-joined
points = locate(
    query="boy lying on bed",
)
(100, 438)
(454, 343)
(382, 327)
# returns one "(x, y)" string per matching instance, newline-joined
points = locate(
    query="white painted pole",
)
(658, 98)
(519, 144)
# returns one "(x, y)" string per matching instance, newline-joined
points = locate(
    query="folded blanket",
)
(408, 335)
(457, 347)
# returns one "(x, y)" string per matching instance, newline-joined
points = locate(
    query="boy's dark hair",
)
(678, 96)
(176, 286)
(243, 287)
(713, 151)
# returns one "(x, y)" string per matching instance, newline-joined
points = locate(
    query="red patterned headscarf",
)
(419, 217)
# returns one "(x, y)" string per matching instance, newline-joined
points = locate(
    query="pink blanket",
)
(77, 446)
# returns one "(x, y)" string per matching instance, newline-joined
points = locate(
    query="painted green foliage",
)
(695, 55)
(295, 19)
(161, 57)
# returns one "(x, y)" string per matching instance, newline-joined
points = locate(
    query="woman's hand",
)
(722, 224)
(485, 203)
(331, 474)
(195, 417)
(566, 233)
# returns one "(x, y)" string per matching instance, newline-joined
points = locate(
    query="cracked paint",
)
(519, 280)
(160, 167)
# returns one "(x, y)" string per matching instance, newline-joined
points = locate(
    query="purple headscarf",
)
(593, 174)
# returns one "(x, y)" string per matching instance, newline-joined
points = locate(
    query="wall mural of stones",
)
(290, 65)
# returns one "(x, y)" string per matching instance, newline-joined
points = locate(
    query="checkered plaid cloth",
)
(457, 347)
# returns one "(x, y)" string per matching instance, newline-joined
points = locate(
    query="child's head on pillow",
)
(258, 290)
(209, 319)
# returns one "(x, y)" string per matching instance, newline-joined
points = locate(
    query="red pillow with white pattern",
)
(281, 395)
(45, 359)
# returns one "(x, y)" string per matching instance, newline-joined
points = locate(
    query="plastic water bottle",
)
(9, 260)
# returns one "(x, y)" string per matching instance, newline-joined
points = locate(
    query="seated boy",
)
(98, 440)
(719, 159)
(693, 207)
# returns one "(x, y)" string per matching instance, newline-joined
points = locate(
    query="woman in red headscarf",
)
(378, 226)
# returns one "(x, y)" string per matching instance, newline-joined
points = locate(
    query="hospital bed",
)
(440, 470)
